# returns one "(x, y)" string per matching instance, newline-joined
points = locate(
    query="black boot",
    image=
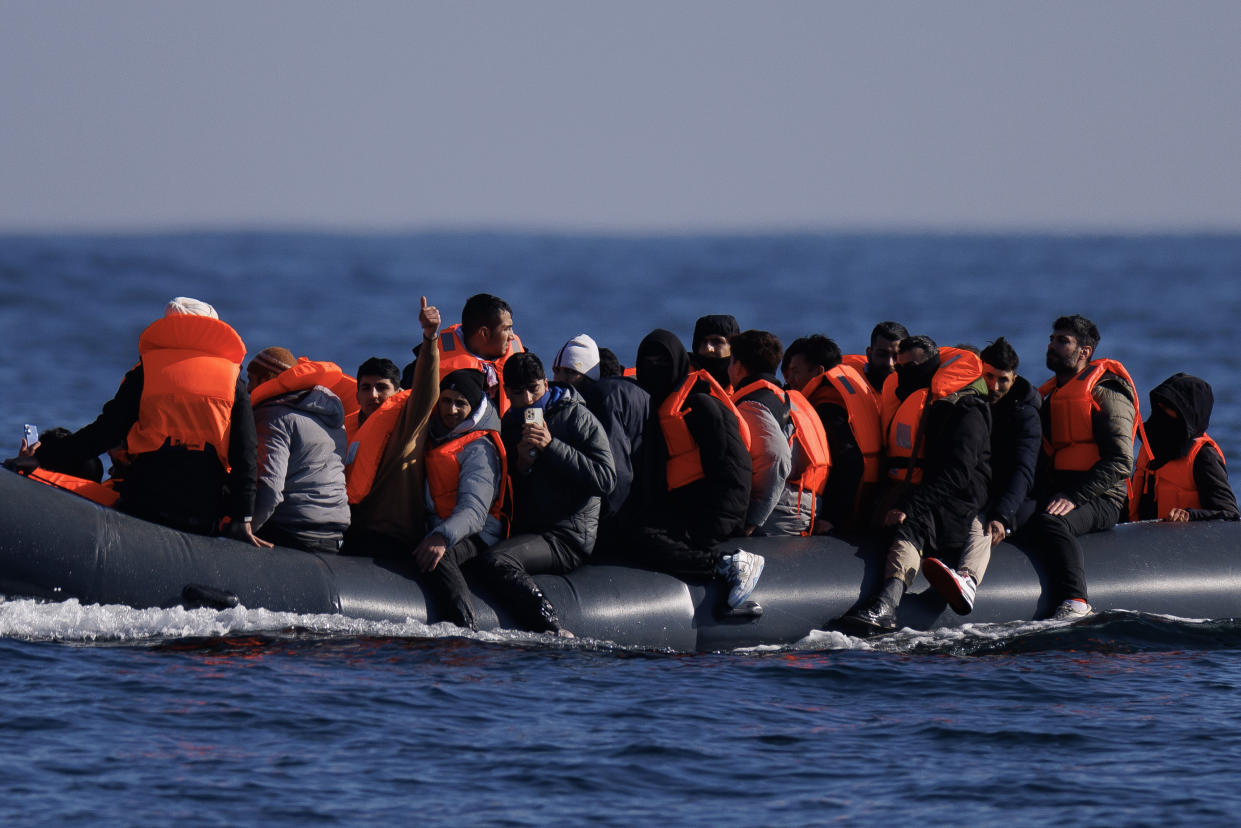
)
(879, 613)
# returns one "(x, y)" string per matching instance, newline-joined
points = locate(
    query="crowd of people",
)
(473, 463)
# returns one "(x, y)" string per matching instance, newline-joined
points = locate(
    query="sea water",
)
(119, 715)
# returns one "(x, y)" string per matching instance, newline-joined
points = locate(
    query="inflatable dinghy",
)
(56, 546)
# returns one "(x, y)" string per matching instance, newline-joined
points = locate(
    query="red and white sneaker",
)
(958, 590)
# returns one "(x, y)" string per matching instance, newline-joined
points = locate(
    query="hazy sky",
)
(628, 116)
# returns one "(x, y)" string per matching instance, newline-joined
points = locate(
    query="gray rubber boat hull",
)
(57, 546)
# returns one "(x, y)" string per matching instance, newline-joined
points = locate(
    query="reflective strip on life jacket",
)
(101, 493)
(366, 451)
(1172, 483)
(190, 366)
(684, 456)
(454, 355)
(444, 473)
(1071, 444)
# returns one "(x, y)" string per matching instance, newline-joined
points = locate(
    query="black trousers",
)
(511, 562)
(673, 552)
(1056, 538)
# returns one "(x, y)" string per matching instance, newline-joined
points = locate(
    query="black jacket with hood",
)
(1172, 437)
(1016, 440)
(710, 509)
(956, 472)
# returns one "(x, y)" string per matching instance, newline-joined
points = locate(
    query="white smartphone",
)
(534, 415)
(32, 434)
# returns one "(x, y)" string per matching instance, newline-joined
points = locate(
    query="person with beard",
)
(1090, 418)
(694, 489)
(1182, 476)
(561, 468)
(879, 361)
(466, 468)
(938, 444)
(712, 352)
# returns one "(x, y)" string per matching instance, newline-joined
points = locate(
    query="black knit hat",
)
(467, 382)
(720, 324)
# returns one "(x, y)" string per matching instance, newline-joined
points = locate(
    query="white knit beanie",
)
(579, 354)
(185, 306)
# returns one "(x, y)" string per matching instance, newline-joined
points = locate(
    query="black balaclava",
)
(1171, 437)
(910, 378)
(662, 364)
(721, 324)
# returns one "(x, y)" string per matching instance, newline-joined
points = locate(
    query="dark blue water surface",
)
(118, 715)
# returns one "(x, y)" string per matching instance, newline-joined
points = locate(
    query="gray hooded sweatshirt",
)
(301, 438)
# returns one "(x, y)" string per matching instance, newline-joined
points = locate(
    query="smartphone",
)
(32, 434)
(534, 415)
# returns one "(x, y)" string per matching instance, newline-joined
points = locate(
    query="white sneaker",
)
(742, 570)
(1071, 610)
(957, 589)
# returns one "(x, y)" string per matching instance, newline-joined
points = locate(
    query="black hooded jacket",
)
(956, 471)
(712, 508)
(1172, 437)
(1016, 440)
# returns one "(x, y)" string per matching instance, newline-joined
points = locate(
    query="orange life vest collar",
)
(301, 377)
(454, 355)
(101, 493)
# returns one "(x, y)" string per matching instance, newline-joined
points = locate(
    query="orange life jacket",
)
(684, 456)
(352, 425)
(302, 376)
(1172, 483)
(807, 432)
(444, 473)
(861, 403)
(1071, 444)
(101, 493)
(454, 355)
(347, 389)
(190, 366)
(367, 448)
(903, 419)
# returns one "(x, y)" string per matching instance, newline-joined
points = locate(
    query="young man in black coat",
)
(560, 466)
(1016, 440)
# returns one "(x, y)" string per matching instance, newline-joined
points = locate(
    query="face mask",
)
(910, 378)
(1167, 435)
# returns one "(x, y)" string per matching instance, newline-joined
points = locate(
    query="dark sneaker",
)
(957, 589)
(1071, 610)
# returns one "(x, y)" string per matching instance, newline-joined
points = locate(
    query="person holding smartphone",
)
(560, 466)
